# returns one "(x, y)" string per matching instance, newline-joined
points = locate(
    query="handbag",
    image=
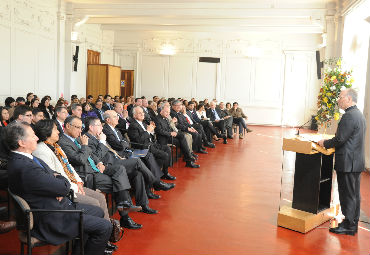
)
(117, 231)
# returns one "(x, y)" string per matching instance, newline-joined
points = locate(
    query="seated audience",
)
(61, 114)
(142, 136)
(152, 110)
(45, 107)
(90, 100)
(99, 110)
(238, 118)
(165, 136)
(42, 188)
(213, 114)
(121, 146)
(35, 102)
(29, 97)
(225, 115)
(85, 163)
(135, 168)
(107, 105)
(4, 116)
(87, 111)
(10, 104)
(20, 100)
(23, 113)
(37, 115)
(123, 119)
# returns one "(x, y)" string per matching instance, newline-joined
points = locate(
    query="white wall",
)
(277, 87)
(28, 48)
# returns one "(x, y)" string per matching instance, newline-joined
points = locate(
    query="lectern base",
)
(303, 221)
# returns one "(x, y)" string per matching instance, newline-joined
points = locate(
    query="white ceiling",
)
(301, 16)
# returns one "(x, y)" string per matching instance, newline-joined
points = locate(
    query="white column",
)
(367, 113)
(61, 18)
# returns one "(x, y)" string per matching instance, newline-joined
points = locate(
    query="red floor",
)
(229, 206)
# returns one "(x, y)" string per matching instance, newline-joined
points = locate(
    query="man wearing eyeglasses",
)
(23, 113)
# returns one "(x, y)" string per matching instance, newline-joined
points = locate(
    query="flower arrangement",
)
(335, 80)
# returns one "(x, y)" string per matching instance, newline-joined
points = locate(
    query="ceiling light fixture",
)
(167, 49)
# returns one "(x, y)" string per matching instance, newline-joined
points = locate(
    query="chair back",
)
(21, 213)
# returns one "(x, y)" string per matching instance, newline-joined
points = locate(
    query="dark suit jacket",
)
(194, 117)
(138, 135)
(223, 113)
(182, 124)
(118, 145)
(107, 107)
(349, 142)
(39, 187)
(60, 128)
(212, 116)
(147, 117)
(121, 126)
(100, 115)
(152, 114)
(162, 130)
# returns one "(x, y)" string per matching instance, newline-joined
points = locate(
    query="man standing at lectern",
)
(349, 146)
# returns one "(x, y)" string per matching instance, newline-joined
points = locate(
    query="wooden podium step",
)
(301, 221)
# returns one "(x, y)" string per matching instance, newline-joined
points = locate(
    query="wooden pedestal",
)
(301, 221)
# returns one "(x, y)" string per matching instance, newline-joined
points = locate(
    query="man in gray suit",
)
(349, 146)
(111, 159)
(80, 155)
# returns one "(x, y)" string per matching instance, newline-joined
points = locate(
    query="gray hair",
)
(106, 115)
(70, 119)
(13, 133)
(353, 94)
(135, 109)
(74, 106)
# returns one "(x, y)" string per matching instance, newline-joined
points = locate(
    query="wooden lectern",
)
(312, 186)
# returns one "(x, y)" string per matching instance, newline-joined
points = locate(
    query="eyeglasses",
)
(76, 126)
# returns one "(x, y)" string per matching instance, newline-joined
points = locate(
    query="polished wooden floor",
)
(229, 206)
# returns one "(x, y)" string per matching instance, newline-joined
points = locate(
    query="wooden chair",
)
(25, 223)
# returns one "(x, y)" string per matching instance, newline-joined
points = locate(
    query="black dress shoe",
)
(163, 186)
(209, 145)
(108, 251)
(148, 210)
(225, 140)
(343, 230)
(111, 246)
(6, 226)
(194, 155)
(202, 151)
(130, 223)
(169, 177)
(191, 164)
(151, 195)
(127, 206)
(203, 148)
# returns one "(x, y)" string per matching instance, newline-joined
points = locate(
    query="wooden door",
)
(93, 57)
(127, 76)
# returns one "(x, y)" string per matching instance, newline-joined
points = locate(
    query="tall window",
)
(356, 45)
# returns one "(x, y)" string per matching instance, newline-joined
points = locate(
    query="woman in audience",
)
(87, 111)
(4, 116)
(50, 152)
(29, 97)
(206, 123)
(152, 110)
(10, 104)
(44, 106)
(228, 106)
(82, 100)
(35, 103)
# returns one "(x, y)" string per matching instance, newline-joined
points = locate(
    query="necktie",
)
(37, 161)
(115, 132)
(216, 115)
(187, 119)
(91, 162)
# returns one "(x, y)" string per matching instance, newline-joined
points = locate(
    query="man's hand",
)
(217, 120)
(173, 134)
(150, 128)
(174, 120)
(321, 143)
(102, 137)
(80, 188)
(59, 198)
(84, 140)
(101, 167)
(226, 117)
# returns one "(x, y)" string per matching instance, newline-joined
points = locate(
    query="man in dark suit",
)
(107, 103)
(143, 137)
(147, 117)
(214, 114)
(184, 126)
(119, 144)
(99, 111)
(349, 144)
(111, 159)
(61, 114)
(86, 163)
(165, 135)
(226, 116)
(42, 188)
